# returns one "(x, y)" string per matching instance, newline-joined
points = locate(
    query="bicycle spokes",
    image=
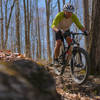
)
(79, 67)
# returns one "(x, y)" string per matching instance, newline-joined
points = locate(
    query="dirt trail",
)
(69, 90)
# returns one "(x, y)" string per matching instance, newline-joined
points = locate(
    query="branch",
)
(11, 13)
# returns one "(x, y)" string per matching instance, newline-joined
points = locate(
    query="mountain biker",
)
(61, 24)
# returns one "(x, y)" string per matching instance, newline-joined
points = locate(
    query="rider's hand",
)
(86, 33)
(59, 31)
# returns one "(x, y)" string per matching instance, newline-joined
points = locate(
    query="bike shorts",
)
(59, 35)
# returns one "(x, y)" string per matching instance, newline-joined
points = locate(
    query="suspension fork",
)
(80, 56)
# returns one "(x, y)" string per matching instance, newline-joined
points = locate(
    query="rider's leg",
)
(69, 41)
(58, 44)
(57, 48)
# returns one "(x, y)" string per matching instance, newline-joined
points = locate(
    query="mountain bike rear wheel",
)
(79, 65)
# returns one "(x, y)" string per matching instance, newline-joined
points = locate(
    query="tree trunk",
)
(70, 1)
(6, 26)
(58, 5)
(18, 26)
(27, 22)
(25, 25)
(38, 31)
(12, 40)
(2, 37)
(94, 48)
(32, 30)
(86, 20)
(28, 34)
(7, 21)
(47, 3)
(53, 33)
(63, 2)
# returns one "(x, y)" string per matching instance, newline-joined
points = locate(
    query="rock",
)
(25, 80)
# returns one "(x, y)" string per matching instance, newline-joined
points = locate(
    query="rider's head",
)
(68, 9)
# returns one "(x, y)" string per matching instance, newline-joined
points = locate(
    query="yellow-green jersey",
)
(61, 22)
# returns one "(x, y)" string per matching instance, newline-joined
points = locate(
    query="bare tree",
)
(52, 17)
(7, 21)
(58, 1)
(70, 1)
(86, 19)
(38, 31)
(18, 26)
(28, 26)
(42, 27)
(2, 30)
(94, 48)
(63, 2)
(12, 38)
(25, 26)
(47, 3)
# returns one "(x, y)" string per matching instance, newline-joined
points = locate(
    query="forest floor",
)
(69, 90)
(90, 90)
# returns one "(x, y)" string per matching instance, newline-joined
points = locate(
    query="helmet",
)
(68, 7)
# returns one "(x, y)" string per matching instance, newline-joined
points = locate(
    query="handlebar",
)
(75, 33)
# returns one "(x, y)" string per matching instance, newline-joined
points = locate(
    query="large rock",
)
(26, 80)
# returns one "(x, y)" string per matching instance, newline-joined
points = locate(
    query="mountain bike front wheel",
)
(79, 65)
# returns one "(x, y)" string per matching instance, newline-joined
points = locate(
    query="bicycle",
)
(79, 67)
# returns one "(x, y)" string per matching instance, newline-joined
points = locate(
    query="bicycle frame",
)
(66, 49)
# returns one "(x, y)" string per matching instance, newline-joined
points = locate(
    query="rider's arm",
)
(55, 29)
(57, 20)
(77, 22)
(83, 29)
